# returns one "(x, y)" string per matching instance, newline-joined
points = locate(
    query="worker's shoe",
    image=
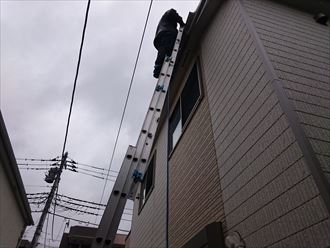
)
(157, 72)
(168, 58)
(156, 75)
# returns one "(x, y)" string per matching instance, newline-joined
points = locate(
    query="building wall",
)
(149, 226)
(300, 51)
(194, 186)
(11, 219)
(268, 192)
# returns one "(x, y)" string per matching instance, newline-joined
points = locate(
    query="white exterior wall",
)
(149, 226)
(269, 193)
(11, 220)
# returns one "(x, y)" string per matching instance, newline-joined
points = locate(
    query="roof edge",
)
(12, 171)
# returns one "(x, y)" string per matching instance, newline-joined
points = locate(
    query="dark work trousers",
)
(165, 47)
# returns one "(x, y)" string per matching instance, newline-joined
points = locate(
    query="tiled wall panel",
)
(149, 226)
(261, 165)
(195, 193)
(299, 49)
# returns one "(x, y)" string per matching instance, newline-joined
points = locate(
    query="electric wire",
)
(73, 94)
(38, 164)
(76, 199)
(76, 209)
(39, 195)
(39, 159)
(91, 166)
(88, 174)
(77, 170)
(76, 77)
(58, 160)
(36, 186)
(96, 172)
(77, 204)
(103, 178)
(85, 222)
(127, 97)
(70, 218)
(37, 168)
(98, 168)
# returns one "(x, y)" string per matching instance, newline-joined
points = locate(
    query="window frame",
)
(152, 162)
(171, 146)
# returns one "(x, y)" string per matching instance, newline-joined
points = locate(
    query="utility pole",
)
(38, 231)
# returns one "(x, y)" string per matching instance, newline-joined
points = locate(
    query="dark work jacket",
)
(167, 24)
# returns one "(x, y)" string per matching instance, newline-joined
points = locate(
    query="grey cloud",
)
(39, 51)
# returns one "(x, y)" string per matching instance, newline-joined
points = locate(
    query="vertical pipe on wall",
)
(167, 168)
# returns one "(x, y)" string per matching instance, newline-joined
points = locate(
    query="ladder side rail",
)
(125, 185)
(152, 125)
(114, 198)
(145, 151)
(163, 80)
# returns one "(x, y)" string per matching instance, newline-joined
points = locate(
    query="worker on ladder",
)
(165, 37)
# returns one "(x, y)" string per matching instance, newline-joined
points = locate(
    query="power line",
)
(76, 209)
(96, 172)
(69, 218)
(41, 194)
(127, 97)
(37, 164)
(79, 200)
(76, 77)
(73, 162)
(88, 174)
(91, 166)
(40, 159)
(36, 168)
(77, 204)
(75, 168)
(38, 193)
(80, 221)
(73, 94)
(36, 186)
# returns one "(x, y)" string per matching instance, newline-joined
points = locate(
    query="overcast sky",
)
(39, 50)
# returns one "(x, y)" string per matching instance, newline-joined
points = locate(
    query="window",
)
(147, 182)
(175, 126)
(189, 97)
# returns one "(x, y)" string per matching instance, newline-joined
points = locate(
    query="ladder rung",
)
(136, 157)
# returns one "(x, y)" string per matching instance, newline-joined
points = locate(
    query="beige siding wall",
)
(195, 193)
(269, 195)
(11, 220)
(300, 51)
(149, 226)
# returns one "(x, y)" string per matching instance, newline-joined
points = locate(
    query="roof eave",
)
(11, 168)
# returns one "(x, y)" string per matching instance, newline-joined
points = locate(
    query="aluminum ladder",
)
(136, 158)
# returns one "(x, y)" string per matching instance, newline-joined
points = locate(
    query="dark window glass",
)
(175, 127)
(188, 99)
(190, 94)
(148, 182)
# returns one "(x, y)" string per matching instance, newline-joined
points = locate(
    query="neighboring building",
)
(15, 212)
(244, 148)
(82, 237)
